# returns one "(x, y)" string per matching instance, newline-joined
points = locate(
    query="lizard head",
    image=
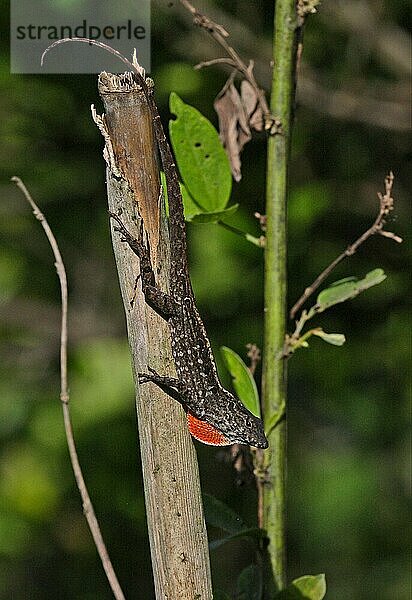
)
(225, 422)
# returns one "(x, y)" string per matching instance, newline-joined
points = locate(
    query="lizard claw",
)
(153, 372)
(143, 377)
(151, 376)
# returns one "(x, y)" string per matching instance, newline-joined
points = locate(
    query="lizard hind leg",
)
(160, 301)
(136, 244)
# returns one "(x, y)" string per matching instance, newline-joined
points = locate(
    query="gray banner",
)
(34, 25)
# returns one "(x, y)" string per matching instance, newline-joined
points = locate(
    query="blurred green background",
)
(349, 511)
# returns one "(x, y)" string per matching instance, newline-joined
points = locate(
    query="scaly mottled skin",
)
(215, 416)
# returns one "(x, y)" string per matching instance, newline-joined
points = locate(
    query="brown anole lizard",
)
(215, 416)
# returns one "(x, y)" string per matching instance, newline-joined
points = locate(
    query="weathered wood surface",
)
(177, 532)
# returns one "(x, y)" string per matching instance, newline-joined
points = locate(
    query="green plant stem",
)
(274, 368)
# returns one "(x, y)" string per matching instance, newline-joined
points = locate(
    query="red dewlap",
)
(205, 433)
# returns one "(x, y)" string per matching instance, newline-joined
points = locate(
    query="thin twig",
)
(64, 397)
(386, 206)
(220, 35)
(293, 341)
(215, 61)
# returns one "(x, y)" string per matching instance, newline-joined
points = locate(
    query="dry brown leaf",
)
(238, 114)
(251, 104)
(233, 125)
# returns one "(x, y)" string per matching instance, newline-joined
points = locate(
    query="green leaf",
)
(347, 288)
(373, 278)
(243, 380)
(194, 213)
(336, 339)
(249, 584)
(190, 208)
(218, 514)
(254, 533)
(308, 587)
(213, 217)
(201, 158)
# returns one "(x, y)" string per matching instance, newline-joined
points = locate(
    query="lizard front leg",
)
(161, 302)
(198, 428)
(170, 385)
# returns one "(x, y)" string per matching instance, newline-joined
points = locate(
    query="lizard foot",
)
(170, 385)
